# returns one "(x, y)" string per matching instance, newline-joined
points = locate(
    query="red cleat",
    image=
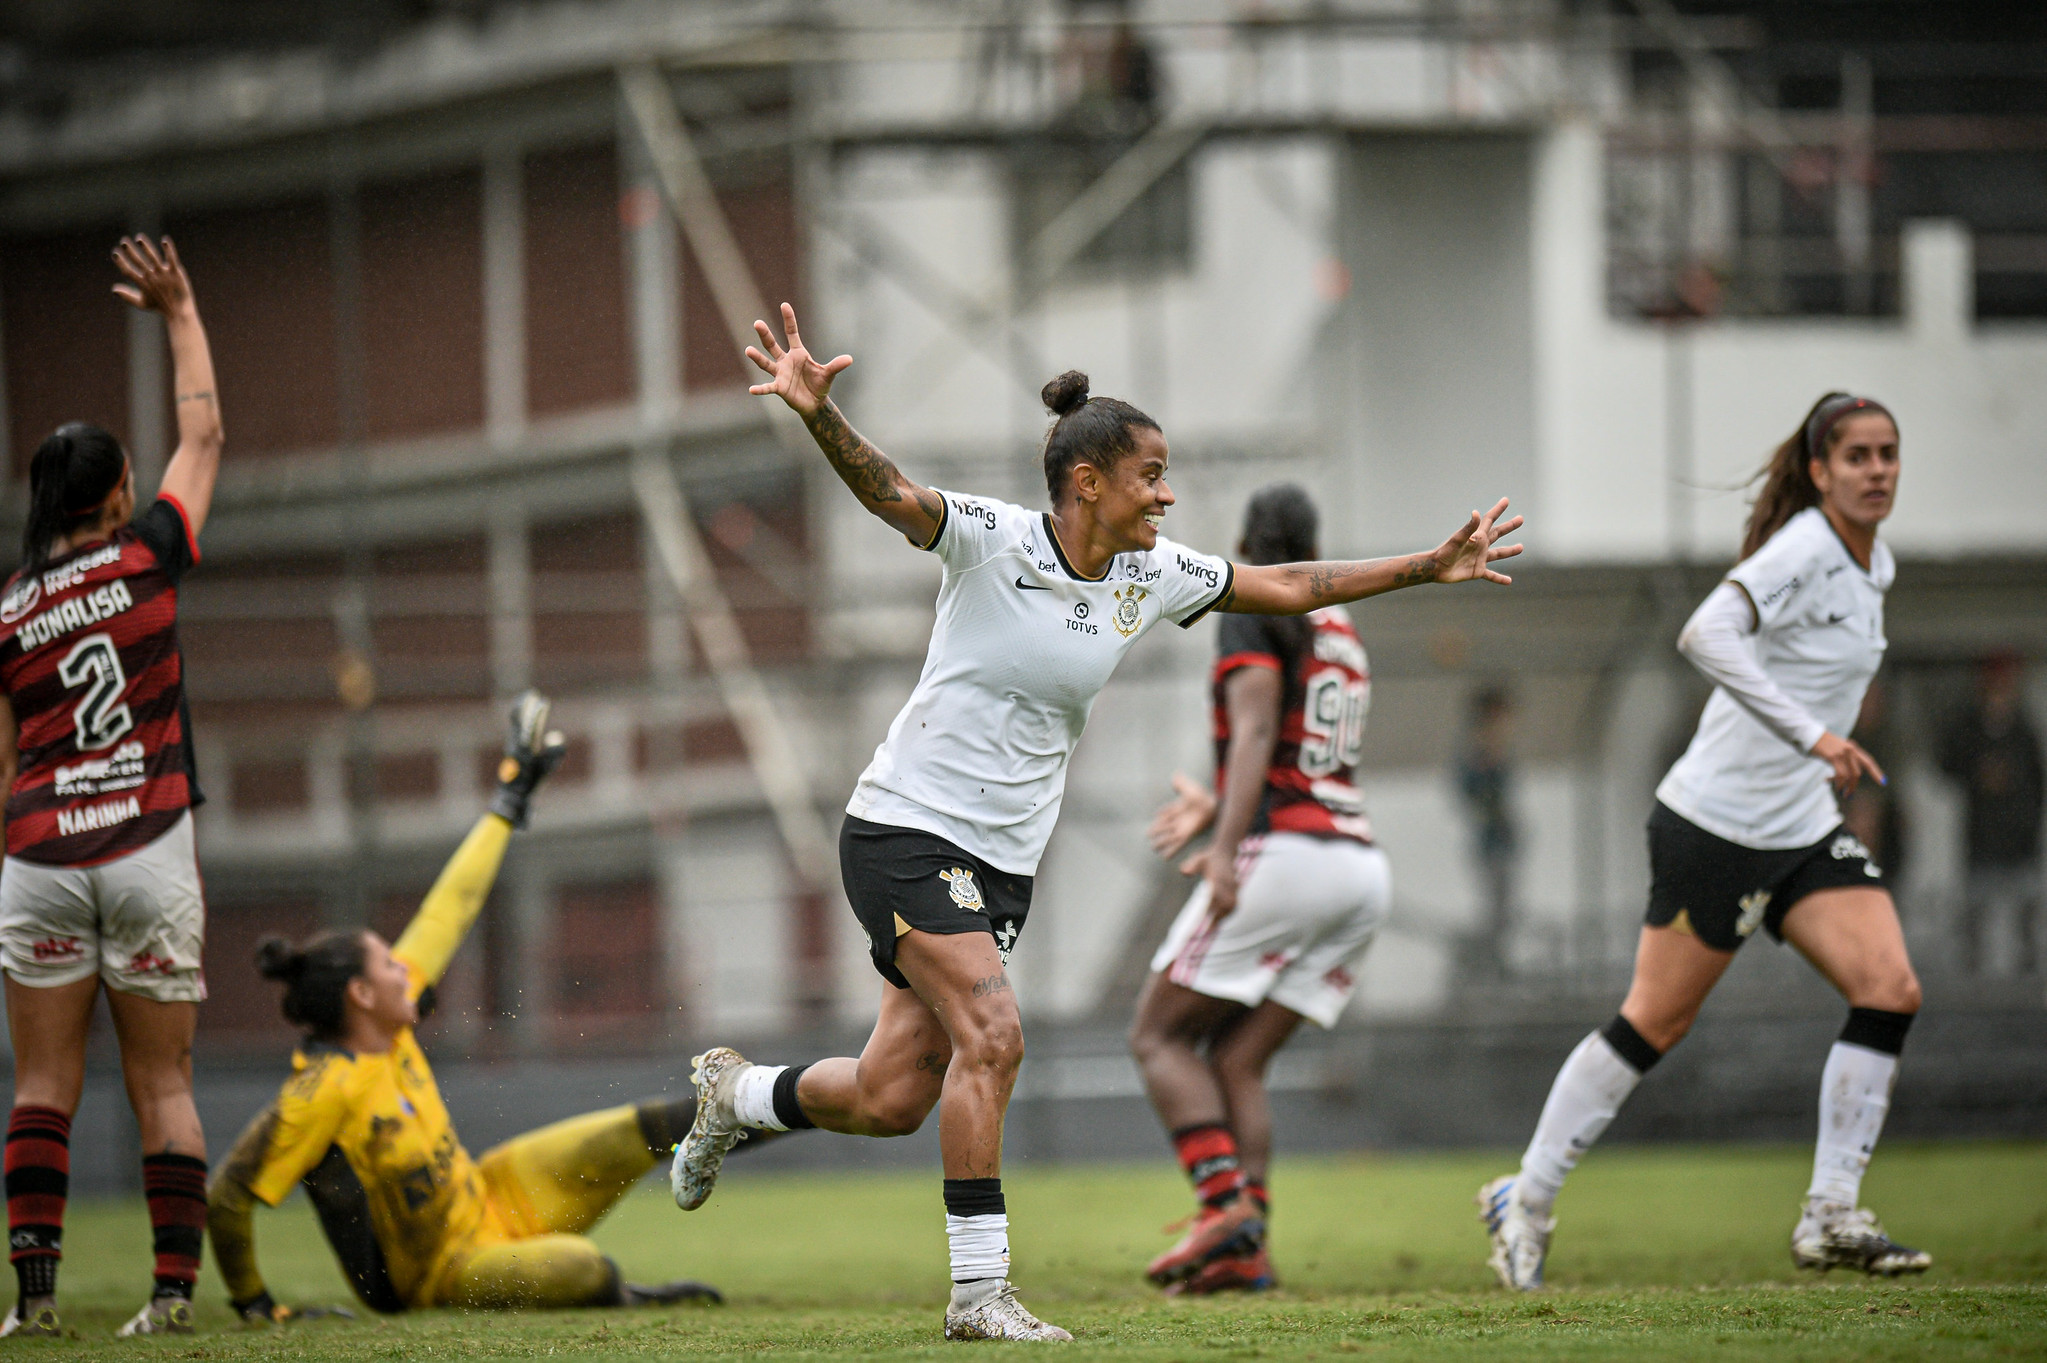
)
(1237, 1225)
(1234, 1272)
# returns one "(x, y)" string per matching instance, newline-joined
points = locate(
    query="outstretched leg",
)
(563, 1178)
(1674, 972)
(1852, 937)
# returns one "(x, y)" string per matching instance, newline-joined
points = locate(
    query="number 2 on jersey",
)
(1333, 718)
(95, 663)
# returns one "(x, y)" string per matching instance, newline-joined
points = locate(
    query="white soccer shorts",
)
(137, 921)
(1307, 908)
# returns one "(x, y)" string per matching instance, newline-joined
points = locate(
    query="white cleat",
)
(988, 1309)
(163, 1316)
(715, 1131)
(1520, 1237)
(1830, 1235)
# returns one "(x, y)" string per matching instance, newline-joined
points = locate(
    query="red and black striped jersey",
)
(89, 660)
(1328, 689)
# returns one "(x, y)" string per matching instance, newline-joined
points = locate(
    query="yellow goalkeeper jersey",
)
(397, 1195)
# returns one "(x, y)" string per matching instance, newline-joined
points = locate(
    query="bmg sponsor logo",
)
(984, 514)
(1200, 572)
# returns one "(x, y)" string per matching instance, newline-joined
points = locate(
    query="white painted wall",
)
(1971, 400)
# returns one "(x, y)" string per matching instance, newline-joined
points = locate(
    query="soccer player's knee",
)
(1896, 992)
(584, 1278)
(900, 1118)
(998, 1046)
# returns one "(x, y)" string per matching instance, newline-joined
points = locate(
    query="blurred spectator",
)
(1991, 749)
(1874, 813)
(1110, 74)
(1485, 779)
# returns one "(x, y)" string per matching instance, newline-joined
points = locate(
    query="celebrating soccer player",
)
(101, 882)
(1292, 890)
(414, 1220)
(1747, 834)
(945, 829)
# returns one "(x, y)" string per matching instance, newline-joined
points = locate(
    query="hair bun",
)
(277, 959)
(1065, 393)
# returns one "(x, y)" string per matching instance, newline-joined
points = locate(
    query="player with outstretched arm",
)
(946, 826)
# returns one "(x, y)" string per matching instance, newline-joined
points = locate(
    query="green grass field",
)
(1661, 1253)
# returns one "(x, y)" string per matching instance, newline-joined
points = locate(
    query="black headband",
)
(1828, 414)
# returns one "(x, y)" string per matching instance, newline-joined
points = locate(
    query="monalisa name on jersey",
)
(80, 611)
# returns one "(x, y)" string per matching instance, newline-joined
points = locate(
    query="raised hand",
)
(1465, 555)
(1181, 819)
(158, 282)
(793, 375)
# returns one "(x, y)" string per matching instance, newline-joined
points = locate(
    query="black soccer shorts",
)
(1723, 891)
(903, 878)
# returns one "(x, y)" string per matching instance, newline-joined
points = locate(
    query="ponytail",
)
(73, 473)
(1787, 477)
(315, 975)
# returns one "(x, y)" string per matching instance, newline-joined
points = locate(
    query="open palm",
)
(793, 375)
(1466, 555)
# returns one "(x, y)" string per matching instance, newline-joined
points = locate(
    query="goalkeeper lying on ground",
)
(414, 1220)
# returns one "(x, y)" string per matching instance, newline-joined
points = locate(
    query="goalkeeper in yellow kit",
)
(413, 1219)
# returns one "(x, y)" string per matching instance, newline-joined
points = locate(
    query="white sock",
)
(753, 1097)
(1855, 1094)
(980, 1246)
(1588, 1091)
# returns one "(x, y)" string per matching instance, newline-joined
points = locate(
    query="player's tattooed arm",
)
(1296, 588)
(873, 477)
(796, 377)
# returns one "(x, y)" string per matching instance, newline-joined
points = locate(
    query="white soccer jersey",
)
(1820, 637)
(1022, 646)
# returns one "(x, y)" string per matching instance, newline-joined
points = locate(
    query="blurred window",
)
(66, 347)
(608, 962)
(1155, 234)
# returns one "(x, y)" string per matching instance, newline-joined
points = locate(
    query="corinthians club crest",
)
(1128, 617)
(965, 892)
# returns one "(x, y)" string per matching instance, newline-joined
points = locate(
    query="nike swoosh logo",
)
(1836, 619)
(1031, 586)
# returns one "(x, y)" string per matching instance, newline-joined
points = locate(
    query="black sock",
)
(788, 1111)
(1876, 1030)
(175, 1186)
(974, 1197)
(1630, 1045)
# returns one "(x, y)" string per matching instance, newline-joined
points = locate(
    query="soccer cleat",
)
(1238, 1271)
(161, 1316)
(1520, 1237)
(715, 1131)
(1236, 1226)
(668, 1294)
(40, 1323)
(988, 1309)
(532, 750)
(1829, 1235)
